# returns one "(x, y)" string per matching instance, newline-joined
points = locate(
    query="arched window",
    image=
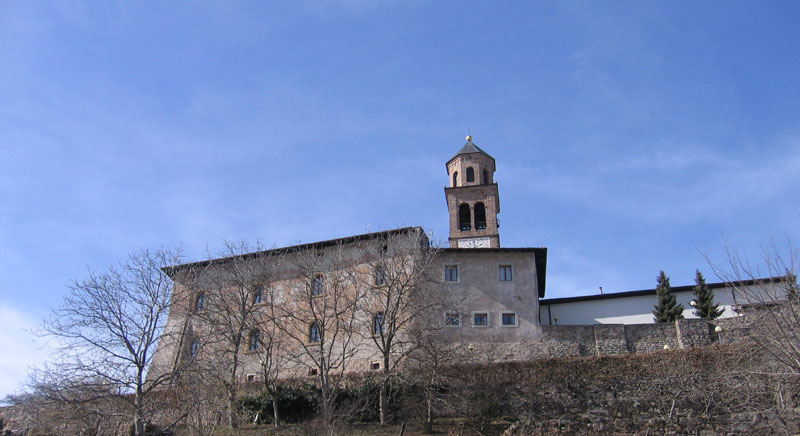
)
(480, 216)
(194, 348)
(455, 179)
(254, 341)
(200, 302)
(378, 324)
(313, 333)
(464, 217)
(380, 275)
(317, 285)
(470, 175)
(258, 297)
(485, 177)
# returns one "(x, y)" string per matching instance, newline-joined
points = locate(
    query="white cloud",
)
(19, 349)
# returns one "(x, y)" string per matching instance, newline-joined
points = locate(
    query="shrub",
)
(295, 403)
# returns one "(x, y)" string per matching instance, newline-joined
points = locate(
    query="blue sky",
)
(629, 136)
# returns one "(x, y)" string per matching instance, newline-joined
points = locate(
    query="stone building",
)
(475, 291)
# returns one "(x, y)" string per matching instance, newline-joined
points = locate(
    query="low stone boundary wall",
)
(609, 339)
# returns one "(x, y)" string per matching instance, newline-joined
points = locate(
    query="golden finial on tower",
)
(469, 138)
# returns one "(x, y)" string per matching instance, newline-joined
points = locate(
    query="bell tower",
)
(472, 199)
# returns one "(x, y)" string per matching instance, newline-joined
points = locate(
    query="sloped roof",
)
(469, 148)
(169, 270)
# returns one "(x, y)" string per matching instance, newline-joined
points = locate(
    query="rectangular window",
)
(452, 319)
(451, 273)
(251, 378)
(375, 366)
(380, 275)
(317, 285)
(509, 319)
(480, 319)
(504, 271)
(377, 324)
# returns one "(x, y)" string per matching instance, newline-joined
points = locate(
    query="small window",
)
(313, 334)
(317, 285)
(380, 275)
(194, 348)
(258, 297)
(504, 272)
(451, 273)
(375, 366)
(480, 319)
(378, 324)
(470, 175)
(312, 371)
(255, 340)
(200, 302)
(509, 319)
(251, 378)
(485, 177)
(455, 179)
(452, 319)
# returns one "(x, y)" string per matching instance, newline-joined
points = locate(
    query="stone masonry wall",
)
(609, 339)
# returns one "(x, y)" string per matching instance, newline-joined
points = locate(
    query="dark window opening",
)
(313, 334)
(317, 286)
(505, 273)
(375, 365)
(480, 319)
(509, 319)
(200, 302)
(485, 178)
(312, 371)
(451, 273)
(377, 324)
(254, 341)
(470, 175)
(259, 295)
(194, 348)
(455, 179)
(452, 318)
(480, 216)
(380, 275)
(251, 378)
(464, 217)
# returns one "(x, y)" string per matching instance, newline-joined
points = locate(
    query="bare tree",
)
(428, 368)
(106, 331)
(398, 294)
(227, 295)
(275, 354)
(319, 315)
(766, 292)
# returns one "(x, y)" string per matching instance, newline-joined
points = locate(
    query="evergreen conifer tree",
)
(667, 309)
(705, 308)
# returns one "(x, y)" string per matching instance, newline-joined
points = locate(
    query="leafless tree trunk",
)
(396, 284)
(106, 331)
(767, 302)
(426, 367)
(228, 294)
(320, 315)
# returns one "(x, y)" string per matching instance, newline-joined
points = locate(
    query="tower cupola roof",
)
(470, 148)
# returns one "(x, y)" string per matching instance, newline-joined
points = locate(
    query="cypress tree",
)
(667, 309)
(705, 308)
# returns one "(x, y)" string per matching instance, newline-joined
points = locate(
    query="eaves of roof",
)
(643, 292)
(293, 248)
